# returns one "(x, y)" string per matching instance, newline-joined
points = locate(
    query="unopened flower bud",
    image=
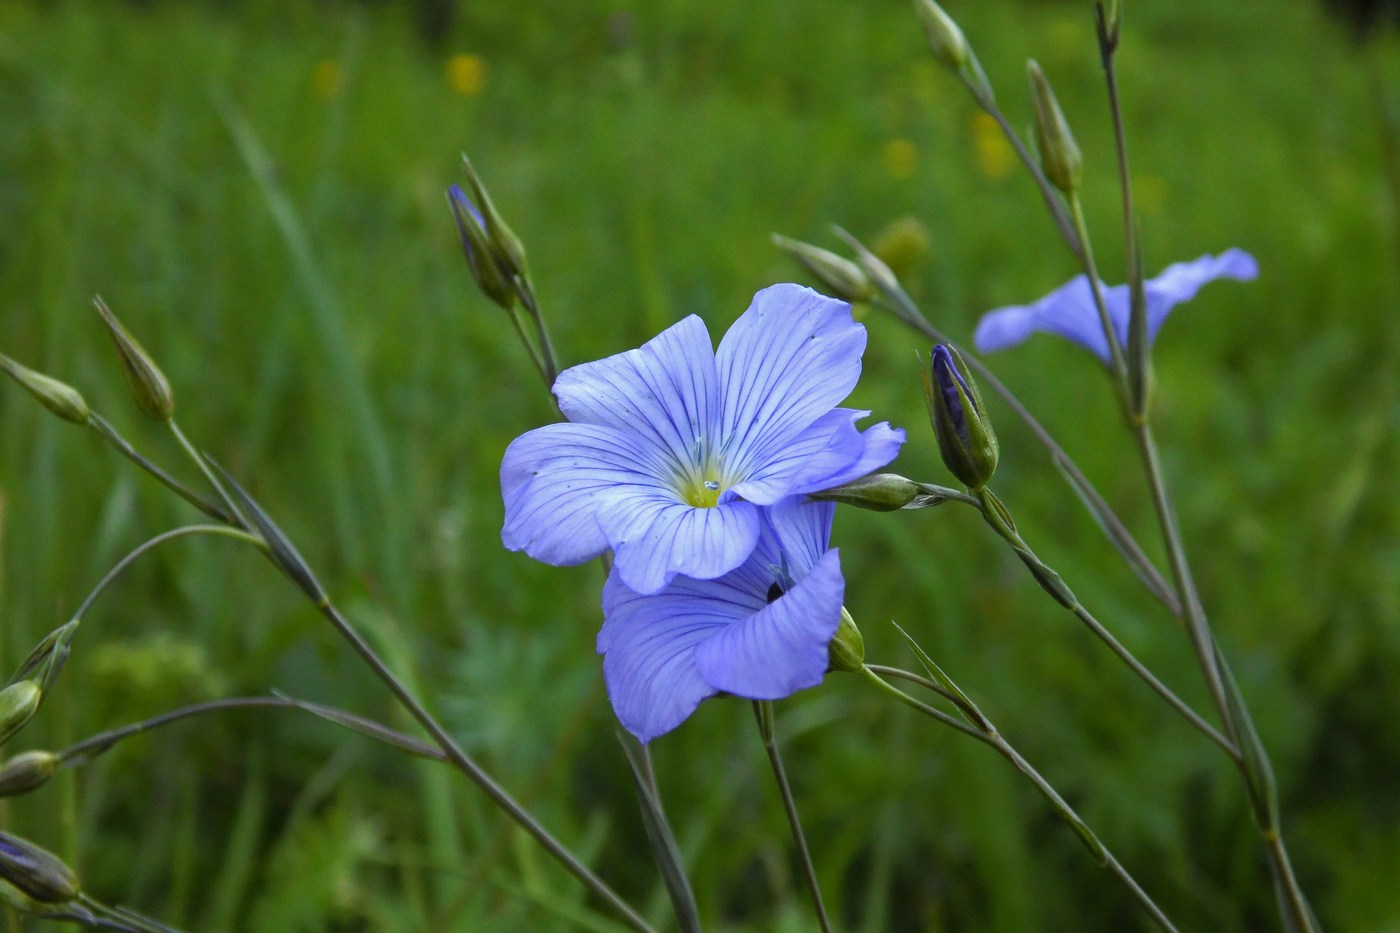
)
(846, 653)
(840, 277)
(36, 872)
(485, 268)
(18, 704)
(878, 492)
(58, 397)
(960, 422)
(509, 251)
(148, 384)
(25, 772)
(1059, 153)
(945, 39)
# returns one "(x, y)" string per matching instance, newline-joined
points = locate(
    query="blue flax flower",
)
(1069, 310)
(671, 449)
(760, 631)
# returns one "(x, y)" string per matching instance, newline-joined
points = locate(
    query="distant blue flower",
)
(671, 448)
(1069, 310)
(760, 631)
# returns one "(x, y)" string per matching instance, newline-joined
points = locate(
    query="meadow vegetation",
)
(257, 189)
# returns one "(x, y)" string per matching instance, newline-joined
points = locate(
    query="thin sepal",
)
(962, 701)
(365, 727)
(280, 549)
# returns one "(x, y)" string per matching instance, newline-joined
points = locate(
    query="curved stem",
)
(994, 739)
(464, 763)
(1000, 520)
(900, 696)
(763, 712)
(95, 745)
(141, 549)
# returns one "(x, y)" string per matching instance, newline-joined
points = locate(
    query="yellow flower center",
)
(702, 495)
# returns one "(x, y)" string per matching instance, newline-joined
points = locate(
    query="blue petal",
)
(664, 391)
(849, 454)
(654, 537)
(800, 531)
(648, 643)
(1181, 281)
(788, 360)
(1070, 312)
(556, 479)
(652, 643)
(783, 647)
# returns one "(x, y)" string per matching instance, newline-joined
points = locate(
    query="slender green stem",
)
(550, 369)
(1110, 861)
(203, 465)
(1108, 53)
(933, 713)
(763, 712)
(1000, 520)
(932, 686)
(110, 435)
(1300, 916)
(1161, 689)
(903, 307)
(535, 359)
(95, 745)
(1197, 626)
(1119, 364)
(1047, 190)
(464, 763)
(994, 739)
(136, 553)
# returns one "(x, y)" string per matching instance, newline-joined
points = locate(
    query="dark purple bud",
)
(965, 436)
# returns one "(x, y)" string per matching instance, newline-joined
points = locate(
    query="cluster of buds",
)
(494, 254)
(25, 691)
(148, 384)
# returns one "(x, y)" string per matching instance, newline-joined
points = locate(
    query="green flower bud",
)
(506, 246)
(18, 704)
(878, 492)
(945, 39)
(846, 653)
(58, 397)
(490, 277)
(840, 277)
(965, 437)
(36, 872)
(148, 384)
(25, 772)
(1059, 153)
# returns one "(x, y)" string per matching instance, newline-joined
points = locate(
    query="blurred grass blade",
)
(336, 350)
(659, 835)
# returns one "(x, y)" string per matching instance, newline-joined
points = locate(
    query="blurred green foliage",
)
(258, 191)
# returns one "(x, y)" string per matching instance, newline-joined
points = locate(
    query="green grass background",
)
(287, 256)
